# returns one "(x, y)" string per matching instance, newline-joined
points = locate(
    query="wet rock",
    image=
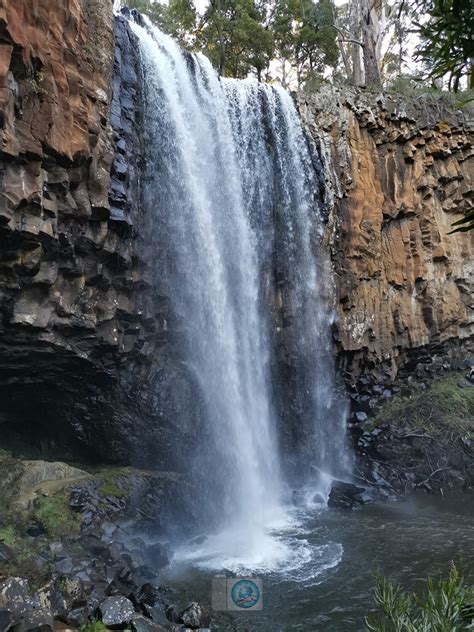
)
(38, 620)
(194, 616)
(345, 496)
(361, 417)
(156, 614)
(66, 146)
(15, 597)
(173, 615)
(78, 617)
(157, 556)
(64, 566)
(5, 552)
(6, 619)
(143, 624)
(116, 612)
(298, 498)
(35, 530)
(148, 594)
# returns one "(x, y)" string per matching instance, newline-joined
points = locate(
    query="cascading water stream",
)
(231, 185)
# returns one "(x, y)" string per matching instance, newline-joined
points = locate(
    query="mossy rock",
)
(110, 479)
(56, 517)
(443, 407)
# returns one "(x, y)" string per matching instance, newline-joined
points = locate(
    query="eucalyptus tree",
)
(305, 39)
(360, 28)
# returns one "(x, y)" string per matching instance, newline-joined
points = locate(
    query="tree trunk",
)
(357, 71)
(371, 65)
(372, 22)
(345, 58)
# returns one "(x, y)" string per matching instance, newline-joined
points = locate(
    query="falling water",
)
(230, 180)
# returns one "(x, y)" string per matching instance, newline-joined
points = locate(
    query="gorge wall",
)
(400, 171)
(79, 320)
(76, 325)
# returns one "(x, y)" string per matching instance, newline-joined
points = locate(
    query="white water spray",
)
(228, 172)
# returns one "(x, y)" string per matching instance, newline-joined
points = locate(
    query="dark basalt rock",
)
(346, 496)
(6, 619)
(15, 597)
(116, 612)
(157, 556)
(79, 325)
(194, 617)
(142, 624)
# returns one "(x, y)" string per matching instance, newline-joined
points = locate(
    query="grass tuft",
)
(443, 406)
(54, 514)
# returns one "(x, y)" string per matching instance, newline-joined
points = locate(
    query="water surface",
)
(407, 540)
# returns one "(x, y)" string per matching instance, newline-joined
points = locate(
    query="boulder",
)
(140, 623)
(117, 612)
(37, 620)
(6, 619)
(194, 616)
(15, 596)
(345, 495)
(157, 556)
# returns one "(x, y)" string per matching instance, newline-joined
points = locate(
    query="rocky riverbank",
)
(422, 437)
(79, 549)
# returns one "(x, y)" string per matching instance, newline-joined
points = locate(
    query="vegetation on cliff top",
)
(364, 43)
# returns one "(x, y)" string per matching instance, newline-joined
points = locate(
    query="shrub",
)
(445, 606)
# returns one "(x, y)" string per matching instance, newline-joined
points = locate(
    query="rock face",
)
(76, 326)
(399, 174)
(86, 353)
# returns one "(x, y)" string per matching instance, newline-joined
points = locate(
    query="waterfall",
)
(233, 192)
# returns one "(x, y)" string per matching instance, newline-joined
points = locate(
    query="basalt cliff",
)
(79, 319)
(399, 172)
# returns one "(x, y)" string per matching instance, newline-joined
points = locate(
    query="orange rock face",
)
(70, 307)
(398, 183)
(53, 84)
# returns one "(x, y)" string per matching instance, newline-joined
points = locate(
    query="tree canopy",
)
(366, 42)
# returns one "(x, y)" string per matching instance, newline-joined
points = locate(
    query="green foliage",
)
(34, 85)
(94, 626)
(179, 20)
(443, 406)
(243, 36)
(110, 485)
(8, 537)
(54, 514)
(21, 561)
(305, 36)
(445, 606)
(153, 10)
(232, 33)
(447, 40)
